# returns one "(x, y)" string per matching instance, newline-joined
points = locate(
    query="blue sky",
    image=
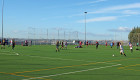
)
(106, 19)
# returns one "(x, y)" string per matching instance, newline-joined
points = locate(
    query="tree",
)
(134, 35)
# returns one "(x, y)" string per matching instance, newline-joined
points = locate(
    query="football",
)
(113, 55)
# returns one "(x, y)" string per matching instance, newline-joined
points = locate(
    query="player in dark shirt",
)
(57, 46)
(13, 44)
(97, 45)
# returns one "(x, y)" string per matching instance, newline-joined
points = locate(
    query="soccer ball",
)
(113, 55)
(17, 54)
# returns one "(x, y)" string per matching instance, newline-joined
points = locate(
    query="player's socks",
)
(131, 51)
(124, 55)
(121, 53)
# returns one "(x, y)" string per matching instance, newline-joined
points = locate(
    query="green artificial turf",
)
(42, 62)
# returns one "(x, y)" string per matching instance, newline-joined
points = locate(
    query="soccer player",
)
(80, 43)
(137, 44)
(111, 44)
(122, 50)
(131, 47)
(87, 43)
(3, 45)
(66, 45)
(31, 42)
(57, 46)
(118, 45)
(13, 44)
(26, 43)
(97, 45)
(106, 44)
(62, 45)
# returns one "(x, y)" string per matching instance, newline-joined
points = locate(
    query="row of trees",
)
(134, 35)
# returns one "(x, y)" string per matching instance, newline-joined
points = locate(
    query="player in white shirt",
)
(131, 48)
(121, 50)
(11, 42)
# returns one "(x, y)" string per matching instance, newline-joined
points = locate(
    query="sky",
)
(65, 19)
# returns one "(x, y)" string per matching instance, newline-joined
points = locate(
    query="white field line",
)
(9, 53)
(73, 72)
(51, 57)
(46, 57)
(62, 59)
(71, 59)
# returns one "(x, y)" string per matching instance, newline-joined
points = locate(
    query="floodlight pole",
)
(85, 26)
(47, 36)
(64, 35)
(58, 34)
(77, 35)
(2, 19)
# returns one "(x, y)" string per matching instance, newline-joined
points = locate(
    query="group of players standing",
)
(58, 43)
(4, 42)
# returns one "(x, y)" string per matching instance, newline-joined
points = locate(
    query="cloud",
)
(130, 12)
(97, 1)
(114, 8)
(109, 18)
(91, 2)
(121, 29)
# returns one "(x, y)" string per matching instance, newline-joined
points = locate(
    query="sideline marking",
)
(73, 66)
(22, 75)
(73, 72)
(60, 67)
(125, 67)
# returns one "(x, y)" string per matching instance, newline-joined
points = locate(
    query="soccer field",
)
(42, 62)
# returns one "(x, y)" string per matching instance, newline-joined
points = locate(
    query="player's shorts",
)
(122, 51)
(57, 47)
(4, 43)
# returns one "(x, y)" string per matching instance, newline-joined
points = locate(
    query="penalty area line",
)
(73, 72)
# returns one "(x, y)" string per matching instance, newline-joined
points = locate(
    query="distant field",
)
(41, 62)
